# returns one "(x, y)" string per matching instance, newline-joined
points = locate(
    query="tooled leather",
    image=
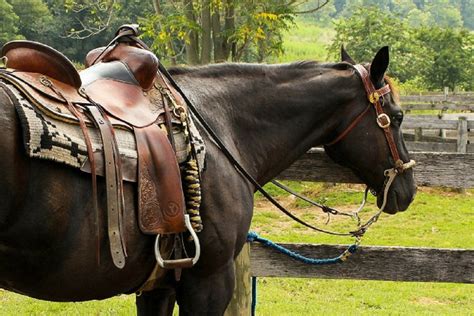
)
(161, 203)
(123, 101)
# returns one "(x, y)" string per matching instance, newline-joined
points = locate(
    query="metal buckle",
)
(383, 120)
(82, 92)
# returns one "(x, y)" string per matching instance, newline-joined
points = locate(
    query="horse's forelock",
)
(393, 88)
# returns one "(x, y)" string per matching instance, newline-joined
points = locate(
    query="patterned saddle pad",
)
(54, 139)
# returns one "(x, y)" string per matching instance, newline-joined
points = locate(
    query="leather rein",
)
(376, 99)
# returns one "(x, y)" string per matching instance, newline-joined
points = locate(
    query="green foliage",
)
(368, 29)
(36, 20)
(9, 22)
(444, 14)
(450, 58)
(167, 32)
(245, 30)
(438, 56)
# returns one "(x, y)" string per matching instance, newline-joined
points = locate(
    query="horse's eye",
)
(398, 118)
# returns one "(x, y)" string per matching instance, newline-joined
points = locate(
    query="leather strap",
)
(350, 127)
(168, 124)
(90, 152)
(375, 96)
(161, 205)
(113, 181)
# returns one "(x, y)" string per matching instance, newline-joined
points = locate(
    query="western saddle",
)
(113, 91)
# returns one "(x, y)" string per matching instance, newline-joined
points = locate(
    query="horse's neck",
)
(267, 118)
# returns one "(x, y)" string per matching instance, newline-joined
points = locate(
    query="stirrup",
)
(179, 263)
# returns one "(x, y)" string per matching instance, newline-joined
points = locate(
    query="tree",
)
(444, 14)
(36, 20)
(435, 56)
(450, 58)
(368, 29)
(9, 22)
(200, 31)
(79, 26)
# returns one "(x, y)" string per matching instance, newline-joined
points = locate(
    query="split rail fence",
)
(442, 161)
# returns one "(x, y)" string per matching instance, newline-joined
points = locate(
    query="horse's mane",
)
(238, 69)
(393, 88)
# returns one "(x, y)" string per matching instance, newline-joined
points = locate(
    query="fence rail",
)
(452, 170)
(368, 263)
(460, 102)
(450, 128)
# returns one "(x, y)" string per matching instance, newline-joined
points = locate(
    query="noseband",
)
(376, 99)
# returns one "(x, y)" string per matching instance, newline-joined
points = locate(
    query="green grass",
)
(15, 304)
(439, 218)
(305, 42)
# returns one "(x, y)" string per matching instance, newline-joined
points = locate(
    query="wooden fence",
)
(463, 101)
(440, 133)
(370, 262)
(445, 131)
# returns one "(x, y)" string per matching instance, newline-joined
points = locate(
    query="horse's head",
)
(368, 138)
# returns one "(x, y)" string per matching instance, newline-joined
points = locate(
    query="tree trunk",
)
(156, 6)
(192, 57)
(229, 27)
(206, 32)
(219, 55)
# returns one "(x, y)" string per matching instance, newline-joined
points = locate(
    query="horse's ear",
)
(379, 65)
(345, 56)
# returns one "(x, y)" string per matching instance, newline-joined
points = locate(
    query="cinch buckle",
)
(383, 120)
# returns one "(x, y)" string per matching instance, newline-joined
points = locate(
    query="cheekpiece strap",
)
(383, 120)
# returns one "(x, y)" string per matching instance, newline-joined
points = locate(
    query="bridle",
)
(375, 96)
(376, 99)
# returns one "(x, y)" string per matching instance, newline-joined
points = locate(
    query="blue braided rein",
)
(253, 236)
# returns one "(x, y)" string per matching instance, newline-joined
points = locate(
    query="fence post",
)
(446, 92)
(418, 134)
(241, 299)
(462, 135)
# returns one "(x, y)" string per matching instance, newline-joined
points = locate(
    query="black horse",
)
(267, 115)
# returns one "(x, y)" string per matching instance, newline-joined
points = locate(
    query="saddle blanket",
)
(52, 139)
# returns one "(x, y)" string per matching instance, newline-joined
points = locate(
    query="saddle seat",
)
(141, 64)
(28, 56)
(120, 80)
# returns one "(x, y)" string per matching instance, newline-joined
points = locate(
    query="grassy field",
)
(438, 218)
(305, 42)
